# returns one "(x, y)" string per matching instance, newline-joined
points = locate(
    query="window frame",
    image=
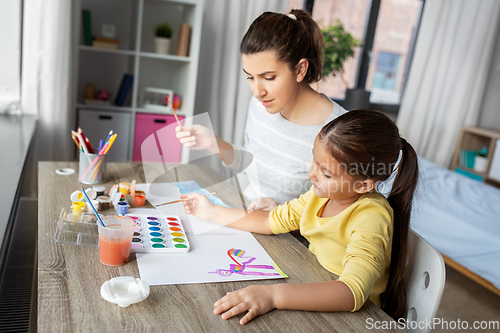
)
(367, 40)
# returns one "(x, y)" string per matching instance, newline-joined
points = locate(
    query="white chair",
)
(425, 284)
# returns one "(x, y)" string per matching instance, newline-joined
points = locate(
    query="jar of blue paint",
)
(122, 207)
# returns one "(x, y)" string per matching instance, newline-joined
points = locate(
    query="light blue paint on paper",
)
(191, 186)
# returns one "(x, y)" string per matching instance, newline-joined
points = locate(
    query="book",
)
(92, 101)
(87, 27)
(467, 158)
(469, 174)
(107, 40)
(184, 39)
(104, 45)
(121, 96)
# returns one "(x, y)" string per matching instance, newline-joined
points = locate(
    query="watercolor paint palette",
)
(160, 234)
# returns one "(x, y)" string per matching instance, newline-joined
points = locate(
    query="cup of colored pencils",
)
(92, 168)
(93, 165)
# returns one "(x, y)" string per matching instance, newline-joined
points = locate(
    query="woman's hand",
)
(257, 300)
(197, 137)
(199, 205)
(267, 204)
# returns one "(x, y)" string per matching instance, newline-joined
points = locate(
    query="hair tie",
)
(293, 17)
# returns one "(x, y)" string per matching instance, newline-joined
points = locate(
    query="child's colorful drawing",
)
(192, 186)
(242, 268)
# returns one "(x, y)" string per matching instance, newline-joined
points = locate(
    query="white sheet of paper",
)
(210, 243)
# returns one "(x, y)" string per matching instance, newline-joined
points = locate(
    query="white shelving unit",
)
(134, 21)
(475, 138)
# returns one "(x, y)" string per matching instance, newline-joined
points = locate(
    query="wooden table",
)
(70, 277)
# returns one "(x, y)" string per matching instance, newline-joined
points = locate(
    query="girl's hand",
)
(263, 204)
(200, 206)
(256, 300)
(197, 137)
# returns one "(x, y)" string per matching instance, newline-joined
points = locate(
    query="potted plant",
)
(163, 34)
(339, 46)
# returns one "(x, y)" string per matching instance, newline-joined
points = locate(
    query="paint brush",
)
(175, 115)
(180, 200)
(91, 205)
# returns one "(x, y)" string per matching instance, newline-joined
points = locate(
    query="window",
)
(294, 4)
(352, 14)
(392, 47)
(386, 71)
(387, 30)
(10, 55)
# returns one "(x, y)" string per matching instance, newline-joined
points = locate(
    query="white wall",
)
(490, 110)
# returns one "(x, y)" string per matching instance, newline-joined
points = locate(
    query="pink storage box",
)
(155, 139)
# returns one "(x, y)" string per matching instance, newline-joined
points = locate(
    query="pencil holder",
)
(92, 168)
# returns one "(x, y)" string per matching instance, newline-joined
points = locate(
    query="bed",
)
(460, 217)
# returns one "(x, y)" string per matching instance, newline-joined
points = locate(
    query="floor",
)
(463, 303)
(468, 301)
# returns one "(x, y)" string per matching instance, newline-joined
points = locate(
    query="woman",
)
(282, 55)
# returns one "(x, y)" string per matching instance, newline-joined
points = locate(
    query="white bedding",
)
(460, 217)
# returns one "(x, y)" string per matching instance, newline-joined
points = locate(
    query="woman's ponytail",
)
(315, 48)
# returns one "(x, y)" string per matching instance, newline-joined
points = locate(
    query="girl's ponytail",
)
(400, 199)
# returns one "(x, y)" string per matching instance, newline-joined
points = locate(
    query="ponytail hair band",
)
(293, 17)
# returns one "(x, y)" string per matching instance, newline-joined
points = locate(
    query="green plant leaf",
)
(163, 30)
(339, 45)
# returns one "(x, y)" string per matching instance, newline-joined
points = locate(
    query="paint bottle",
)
(139, 198)
(99, 189)
(78, 207)
(103, 202)
(95, 203)
(122, 208)
(124, 187)
(76, 196)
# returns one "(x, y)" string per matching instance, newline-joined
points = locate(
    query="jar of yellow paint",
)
(78, 207)
(124, 187)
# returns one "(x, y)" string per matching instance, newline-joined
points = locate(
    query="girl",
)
(353, 230)
(282, 55)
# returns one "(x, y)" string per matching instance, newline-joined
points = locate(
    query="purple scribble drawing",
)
(239, 268)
